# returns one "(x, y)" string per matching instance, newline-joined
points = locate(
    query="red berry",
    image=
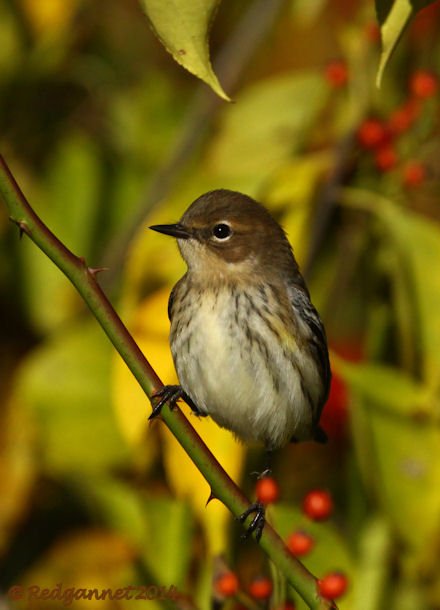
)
(402, 118)
(336, 73)
(300, 543)
(261, 588)
(318, 504)
(335, 415)
(385, 158)
(414, 174)
(267, 490)
(333, 585)
(372, 31)
(227, 584)
(372, 133)
(423, 84)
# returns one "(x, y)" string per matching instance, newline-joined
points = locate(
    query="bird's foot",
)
(167, 393)
(257, 523)
(171, 394)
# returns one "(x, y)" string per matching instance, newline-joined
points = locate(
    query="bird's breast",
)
(237, 356)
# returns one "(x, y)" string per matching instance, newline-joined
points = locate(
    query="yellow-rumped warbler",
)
(248, 345)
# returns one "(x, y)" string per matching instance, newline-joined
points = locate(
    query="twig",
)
(84, 279)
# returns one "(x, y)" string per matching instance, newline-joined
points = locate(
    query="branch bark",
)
(84, 280)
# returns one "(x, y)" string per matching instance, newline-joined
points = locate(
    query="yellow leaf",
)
(149, 327)
(49, 16)
(292, 187)
(17, 468)
(187, 482)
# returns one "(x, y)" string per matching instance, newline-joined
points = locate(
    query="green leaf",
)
(168, 552)
(73, 188)
(65, 383)
(387, 387)
(409, 594)
(69, 202)
(394, 416)
(395, 441)
(268, 124)
(417, 243)
(374, 564)
(394, 16)
(115, 504)
(159, 527)
(183, 27)
(413, 250)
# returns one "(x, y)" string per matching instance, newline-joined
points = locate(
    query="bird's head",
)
(225, 232)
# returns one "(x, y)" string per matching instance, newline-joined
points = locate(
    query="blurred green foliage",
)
(92, 114)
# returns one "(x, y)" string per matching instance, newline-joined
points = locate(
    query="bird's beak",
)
(176, 230)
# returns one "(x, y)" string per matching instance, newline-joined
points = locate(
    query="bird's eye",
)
(221, 231)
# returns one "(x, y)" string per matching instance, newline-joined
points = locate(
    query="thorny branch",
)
(85, 281)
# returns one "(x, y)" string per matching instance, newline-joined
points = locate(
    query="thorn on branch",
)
(22, 225)
(211, 497)
(95, 270)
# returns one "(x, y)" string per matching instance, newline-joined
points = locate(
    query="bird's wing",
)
(304, 308)
(170, 302)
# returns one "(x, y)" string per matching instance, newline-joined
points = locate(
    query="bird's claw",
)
(171, 394)
(167, 393)
(257, 523)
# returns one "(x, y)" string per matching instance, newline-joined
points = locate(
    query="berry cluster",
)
(379, 137)
(227, 585)
(318, 506)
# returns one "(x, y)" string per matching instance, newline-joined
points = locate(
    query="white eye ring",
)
(221, 231)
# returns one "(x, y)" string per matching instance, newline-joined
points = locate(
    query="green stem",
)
(84, 279)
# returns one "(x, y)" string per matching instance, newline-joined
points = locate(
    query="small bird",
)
(249, 347)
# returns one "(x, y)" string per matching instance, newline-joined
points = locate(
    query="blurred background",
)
(106, 135)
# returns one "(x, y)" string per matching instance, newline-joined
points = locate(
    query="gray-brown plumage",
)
(249, 347)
